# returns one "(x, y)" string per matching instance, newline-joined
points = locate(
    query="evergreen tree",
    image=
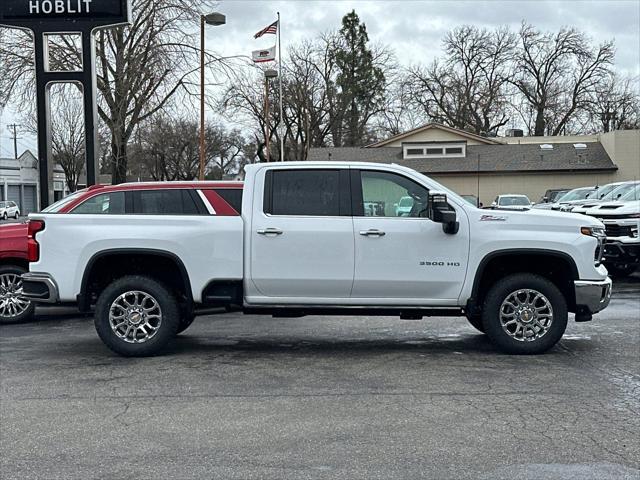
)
(361, 83)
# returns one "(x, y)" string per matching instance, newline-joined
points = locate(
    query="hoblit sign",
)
(26, 13)
(46, 17)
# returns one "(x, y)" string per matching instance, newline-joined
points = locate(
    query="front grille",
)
(618, 230)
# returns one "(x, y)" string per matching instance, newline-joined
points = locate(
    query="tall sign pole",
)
(283, 129)
(73, 17)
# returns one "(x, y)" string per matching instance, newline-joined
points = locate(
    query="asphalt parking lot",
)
(245, 397)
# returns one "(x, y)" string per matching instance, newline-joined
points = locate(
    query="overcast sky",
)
(413, 29)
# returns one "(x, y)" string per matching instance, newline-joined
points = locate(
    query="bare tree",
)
(558, 73)
(616, 105)
(467, 88)
(67, 131)
(139, 68)
(166, 148)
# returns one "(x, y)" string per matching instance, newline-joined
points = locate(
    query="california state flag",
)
(264, 55)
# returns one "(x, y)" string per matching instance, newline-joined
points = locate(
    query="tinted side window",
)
(233, 196)
(164, 202)
(106, 203)
(304, 192)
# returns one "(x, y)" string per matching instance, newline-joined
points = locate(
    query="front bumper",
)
(622, 250)
(39, 287)
(593, 295)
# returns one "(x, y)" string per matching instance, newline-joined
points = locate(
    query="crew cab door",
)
(301, 235)
(400, 255)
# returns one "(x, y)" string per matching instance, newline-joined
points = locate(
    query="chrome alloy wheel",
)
(12, 304)
(526, 315)
(135, 316)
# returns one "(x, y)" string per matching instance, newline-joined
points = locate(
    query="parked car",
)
(304, 244)
(9, 209)
(13, 263)
(622, 225)
(221, 198)
(553, 194)
(404, 206)
(575, 197)
(512, 201)
(606, 193)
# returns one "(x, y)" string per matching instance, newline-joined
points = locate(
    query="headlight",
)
(592, 231)
(599, 235)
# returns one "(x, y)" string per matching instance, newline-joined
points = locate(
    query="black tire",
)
(621, 270)
(6, 318)
(4, 216)
(501, 291)
(16, 216)
(476, 322)
(168, 310)
(185, 322)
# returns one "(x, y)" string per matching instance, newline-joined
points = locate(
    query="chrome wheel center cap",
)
(135, 317)
(526, 315)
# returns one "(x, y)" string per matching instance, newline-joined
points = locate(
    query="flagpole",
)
(282, 126)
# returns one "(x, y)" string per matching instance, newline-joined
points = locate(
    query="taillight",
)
(33, 249)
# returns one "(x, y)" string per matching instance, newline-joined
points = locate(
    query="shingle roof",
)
(483, 158)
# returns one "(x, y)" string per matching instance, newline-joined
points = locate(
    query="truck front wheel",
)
(524, 314)
(136, 316)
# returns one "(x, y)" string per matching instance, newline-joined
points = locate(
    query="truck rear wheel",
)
(136, 316)
(524, 314)
(13, 307)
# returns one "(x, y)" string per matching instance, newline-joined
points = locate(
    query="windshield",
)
(55, 207)
(555, 195)
(508, 201)
(632, 194)
(604, 193)
(577, 194)
(3, 204)
(622, 190)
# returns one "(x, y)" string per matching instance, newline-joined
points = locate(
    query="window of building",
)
(390, 195)
(415, 151)
(303, 192)
(455, 149)
(107, 203)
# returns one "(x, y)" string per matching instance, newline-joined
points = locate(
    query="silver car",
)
(9, 209)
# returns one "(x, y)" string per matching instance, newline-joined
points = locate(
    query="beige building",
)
(485, 167)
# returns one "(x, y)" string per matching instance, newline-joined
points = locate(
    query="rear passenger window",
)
(164, 202)
(233, 196)
(106, 203)
(303, 192)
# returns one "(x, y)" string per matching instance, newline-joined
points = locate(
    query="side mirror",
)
(545, 199)
(441, 212)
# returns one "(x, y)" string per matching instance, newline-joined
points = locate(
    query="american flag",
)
(273, 28)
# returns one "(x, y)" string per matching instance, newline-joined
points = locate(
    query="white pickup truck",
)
(321, 238)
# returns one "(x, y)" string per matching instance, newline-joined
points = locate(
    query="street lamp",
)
(214, 19)
(268, 75)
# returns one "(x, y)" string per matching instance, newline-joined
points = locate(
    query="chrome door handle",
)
(269, 231)
(372, 232)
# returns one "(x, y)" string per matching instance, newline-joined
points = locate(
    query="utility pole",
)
(14, 127)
